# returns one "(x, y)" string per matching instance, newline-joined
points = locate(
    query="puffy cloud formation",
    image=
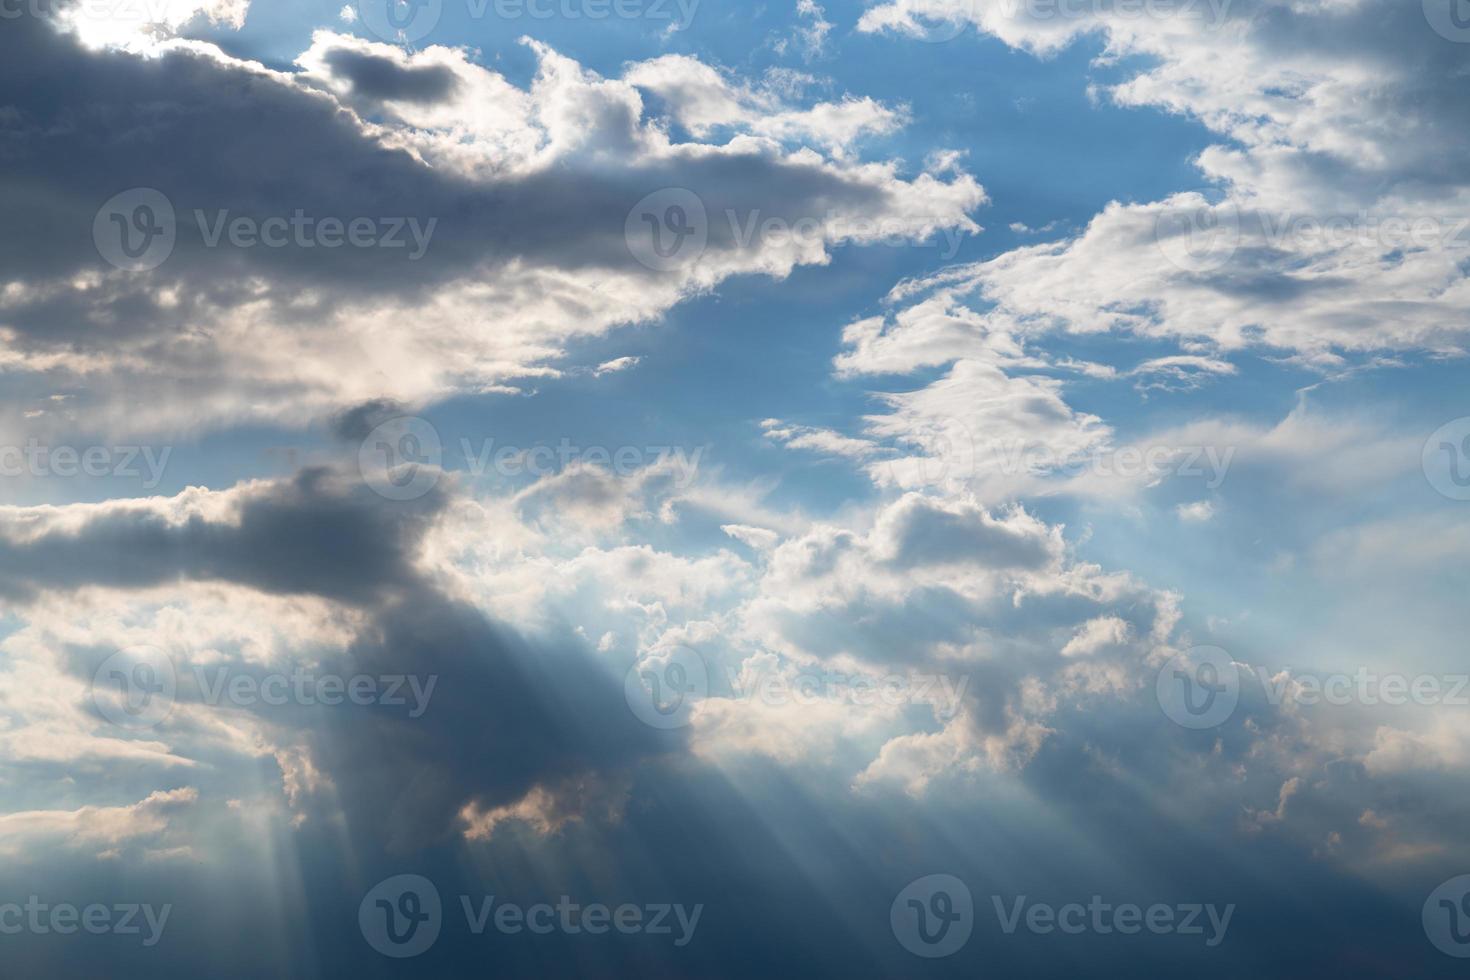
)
(510, 233)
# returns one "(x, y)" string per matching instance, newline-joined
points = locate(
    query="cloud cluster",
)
(491, 221)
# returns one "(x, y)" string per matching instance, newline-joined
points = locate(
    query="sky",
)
(685, 488)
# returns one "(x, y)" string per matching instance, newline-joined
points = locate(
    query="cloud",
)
(103, 827)
(1327, 223)
(508, 207)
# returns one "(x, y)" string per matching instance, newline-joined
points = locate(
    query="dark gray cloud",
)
(380, 78)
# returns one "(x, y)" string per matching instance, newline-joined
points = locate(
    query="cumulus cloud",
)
(1328, 219)
(501, 242)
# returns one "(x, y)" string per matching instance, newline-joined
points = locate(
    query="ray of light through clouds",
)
(697, 489)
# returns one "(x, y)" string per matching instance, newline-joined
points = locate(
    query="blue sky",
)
(841, 474)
